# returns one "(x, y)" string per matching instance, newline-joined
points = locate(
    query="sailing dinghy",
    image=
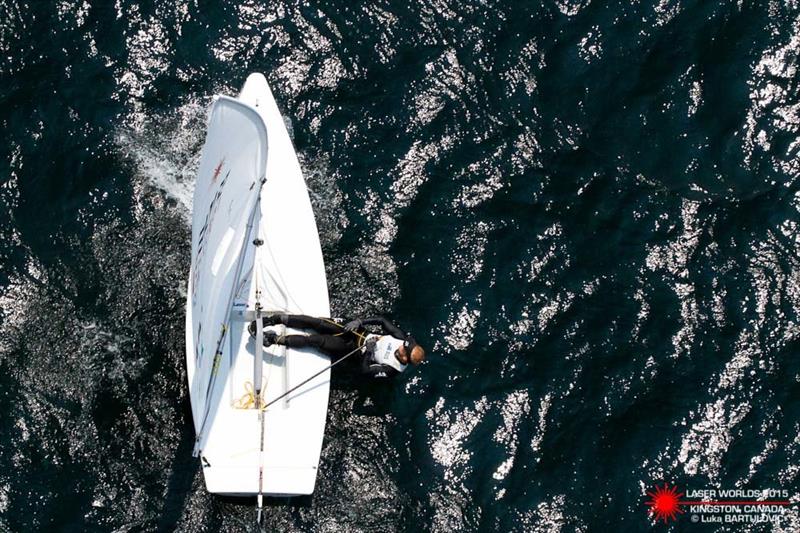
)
(255, 251)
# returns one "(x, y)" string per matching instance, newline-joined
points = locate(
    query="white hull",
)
(247, 451)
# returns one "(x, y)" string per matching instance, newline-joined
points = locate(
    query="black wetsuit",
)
(332, 339)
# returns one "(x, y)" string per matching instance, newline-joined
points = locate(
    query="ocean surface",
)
(587, 211)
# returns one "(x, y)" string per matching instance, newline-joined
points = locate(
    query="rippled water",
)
(587, 210)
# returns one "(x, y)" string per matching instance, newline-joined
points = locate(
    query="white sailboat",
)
(255, 251)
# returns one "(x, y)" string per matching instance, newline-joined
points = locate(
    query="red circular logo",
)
(665, 502)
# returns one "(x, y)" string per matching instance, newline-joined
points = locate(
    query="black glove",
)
(352, 325)
(369, 347)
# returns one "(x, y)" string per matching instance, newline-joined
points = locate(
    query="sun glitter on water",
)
(665, 502)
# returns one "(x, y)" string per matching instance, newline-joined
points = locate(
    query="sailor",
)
(383, 354)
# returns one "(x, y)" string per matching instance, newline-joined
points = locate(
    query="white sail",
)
(229, 179)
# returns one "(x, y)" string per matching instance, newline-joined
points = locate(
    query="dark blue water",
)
(587, 211)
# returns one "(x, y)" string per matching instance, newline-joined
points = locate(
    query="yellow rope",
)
(248, 399)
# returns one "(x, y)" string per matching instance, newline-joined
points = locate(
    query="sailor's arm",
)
(388, 327)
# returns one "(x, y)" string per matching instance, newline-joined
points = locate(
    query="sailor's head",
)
(410, 351)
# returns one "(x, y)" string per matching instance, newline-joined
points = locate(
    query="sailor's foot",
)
(266, 321)
(270, 338)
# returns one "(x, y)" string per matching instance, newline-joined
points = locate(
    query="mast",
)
(258, 363)
(258, 360)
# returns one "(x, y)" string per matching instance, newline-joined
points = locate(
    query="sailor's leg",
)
(331, 345)
(293, 341)
(337, 346)
(320, 325)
